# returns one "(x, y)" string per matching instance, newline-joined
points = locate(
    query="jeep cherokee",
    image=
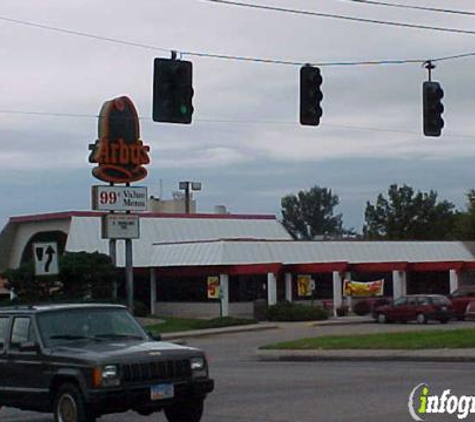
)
(81, 361)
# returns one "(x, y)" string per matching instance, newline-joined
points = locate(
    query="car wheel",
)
(421, 319)
(69, 405)
(189, 411)
(382, 319)
(444, 321)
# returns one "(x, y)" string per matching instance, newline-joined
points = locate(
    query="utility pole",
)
(188, 186)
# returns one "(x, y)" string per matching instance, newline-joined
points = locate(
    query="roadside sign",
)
(214, 292)
(45, 255)
(120, 226)
(119, 198)
(303, 285)
(312, 285)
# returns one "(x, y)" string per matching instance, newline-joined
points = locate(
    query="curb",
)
(337, 322)
(436, 355)
(257, 327)
(217, 331)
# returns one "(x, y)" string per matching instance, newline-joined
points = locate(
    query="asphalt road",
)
(253, 391)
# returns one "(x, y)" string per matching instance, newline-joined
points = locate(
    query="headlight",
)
(106, 376)
(199, 367)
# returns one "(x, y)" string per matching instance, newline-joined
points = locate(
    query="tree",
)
(81, 275)
(310, 213)
(409, 215)
(26, 285)
(465, 226)
(85, 275)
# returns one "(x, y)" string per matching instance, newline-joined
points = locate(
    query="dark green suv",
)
(83, 361)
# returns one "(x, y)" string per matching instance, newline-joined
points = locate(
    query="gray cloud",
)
(247, 165)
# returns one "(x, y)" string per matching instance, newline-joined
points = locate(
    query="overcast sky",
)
(245, 144)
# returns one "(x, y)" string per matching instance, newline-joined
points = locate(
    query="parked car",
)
(460, 299)
(470, 312)
(83, 361)
(419, 308)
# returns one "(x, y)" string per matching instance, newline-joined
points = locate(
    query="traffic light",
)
(432, 108)
(172, 91)
(310, 96)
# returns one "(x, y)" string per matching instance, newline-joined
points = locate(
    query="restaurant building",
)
(178, 257)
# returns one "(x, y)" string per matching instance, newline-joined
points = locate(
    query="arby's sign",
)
(119, 153)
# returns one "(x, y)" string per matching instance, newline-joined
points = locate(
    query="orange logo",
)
(119, 152)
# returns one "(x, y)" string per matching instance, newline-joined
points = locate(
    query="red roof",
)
(70, 214)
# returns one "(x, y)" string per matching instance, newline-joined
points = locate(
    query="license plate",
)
(162, 391)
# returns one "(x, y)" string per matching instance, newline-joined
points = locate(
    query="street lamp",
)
(186, 186)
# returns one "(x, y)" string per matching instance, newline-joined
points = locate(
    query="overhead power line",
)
(234, 57)
(406, 6)
(342, 17)
(81, 34)
(231, 121)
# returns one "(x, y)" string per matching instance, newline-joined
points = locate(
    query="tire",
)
(190, 411)
(69, 405)
(444, 321)
(421, 319)
(382, 319)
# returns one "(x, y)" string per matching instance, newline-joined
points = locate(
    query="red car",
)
(419, 308)
(460, 299)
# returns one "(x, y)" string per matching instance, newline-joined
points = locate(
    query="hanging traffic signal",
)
(432, 108)
(310, 96)
(172, 91)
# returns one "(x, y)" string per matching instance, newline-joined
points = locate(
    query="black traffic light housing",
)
(172, 91)
(310, 96)
(433, 108)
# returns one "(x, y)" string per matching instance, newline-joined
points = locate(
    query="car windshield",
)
(99, 324)
(440, 301)
(400, 301)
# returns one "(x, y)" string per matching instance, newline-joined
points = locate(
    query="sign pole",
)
(113, 255)
(120, 156)
(129, 275)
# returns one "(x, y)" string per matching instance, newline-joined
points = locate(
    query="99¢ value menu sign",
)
(119, 198)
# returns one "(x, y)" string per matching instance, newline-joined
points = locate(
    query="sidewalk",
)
(264, 326)
(216, 331)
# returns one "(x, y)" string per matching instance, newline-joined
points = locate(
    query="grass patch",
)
(451, 339)
(173, 325)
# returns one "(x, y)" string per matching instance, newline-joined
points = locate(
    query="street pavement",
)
(248, 389)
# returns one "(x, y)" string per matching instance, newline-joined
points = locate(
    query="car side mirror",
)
(154, 336)
(29, 346)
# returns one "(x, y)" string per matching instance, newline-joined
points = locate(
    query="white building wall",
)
(288, 287)
(271, 289)
(25, 231)
(224, 294)
(399, 284)
(337, 291)
(454, 280)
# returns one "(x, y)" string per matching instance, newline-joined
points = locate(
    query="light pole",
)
(186, 185)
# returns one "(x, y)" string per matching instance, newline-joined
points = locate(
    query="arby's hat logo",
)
(119, 152)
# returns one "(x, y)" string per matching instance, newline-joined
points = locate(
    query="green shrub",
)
(295, 312)
(342, 311)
